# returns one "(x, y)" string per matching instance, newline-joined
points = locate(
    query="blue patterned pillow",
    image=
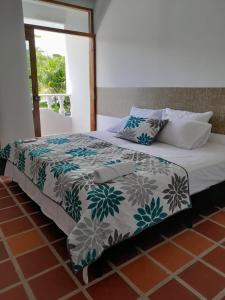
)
(141, 130)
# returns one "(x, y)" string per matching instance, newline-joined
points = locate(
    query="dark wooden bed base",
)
(204, 200)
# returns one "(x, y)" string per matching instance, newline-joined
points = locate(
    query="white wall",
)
(85, 3)
(78, 81)
(161, 43)
(47, 12)
(54, 123)
(15, 105)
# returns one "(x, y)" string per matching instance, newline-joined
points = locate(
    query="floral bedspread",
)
(105, 214)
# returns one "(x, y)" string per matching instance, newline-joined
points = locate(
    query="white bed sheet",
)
(205, 167)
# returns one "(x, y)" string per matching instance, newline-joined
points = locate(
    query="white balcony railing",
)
(51, 99)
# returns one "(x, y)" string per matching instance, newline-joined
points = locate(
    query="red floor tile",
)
(216, 258)
(23, 198)
(10, 276)
(79, 296)
(3, 193)
(40, 219)
(211, 230)
(6, 202)
(16, 226)
(17, 293)
(52, 285)
(10, 213)
(52, 232)
(204, 280)
(193, 242)
(219, 218)
(25, 241)
(3, 252)
(112, 288)
(170, 256)
(37, 261)
(144, 273)
(5, 179)
(173, 290)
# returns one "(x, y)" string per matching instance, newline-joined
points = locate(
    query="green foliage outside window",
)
(51, 72)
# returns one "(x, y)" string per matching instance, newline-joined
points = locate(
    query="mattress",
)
(205, 167)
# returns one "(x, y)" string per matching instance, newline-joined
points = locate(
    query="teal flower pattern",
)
(104, 200)
(151, 214)
(104, 214)
(5, 152)
(41, 176)
(145, 139)
(21, 161)
(58, 141)
(134, 122)
(82, 152)
(73, 204)
(112, 162)
(38, 152)
(63, 167)
(163, 161)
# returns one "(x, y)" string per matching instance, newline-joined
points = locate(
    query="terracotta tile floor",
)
(171, 263)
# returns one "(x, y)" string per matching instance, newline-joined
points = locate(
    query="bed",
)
(53, 164)
(44, 167)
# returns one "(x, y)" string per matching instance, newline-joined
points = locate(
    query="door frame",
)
(29, 36)
(29, 32)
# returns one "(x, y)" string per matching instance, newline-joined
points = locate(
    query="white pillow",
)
(146, 113)
(187, 134)
(171, 114)
(119, 125)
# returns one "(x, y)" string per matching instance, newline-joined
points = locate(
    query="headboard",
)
(116, 102)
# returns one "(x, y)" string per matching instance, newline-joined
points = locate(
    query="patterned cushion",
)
(141, 130)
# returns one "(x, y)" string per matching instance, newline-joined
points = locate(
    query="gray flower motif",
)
(127, 133)
(32, 146)
(34, 168)
(64, 183)
(16, 153)
(135, 156)
(79, 139)
(100, 145)
(116, 238)
(177, 192)
(85, 181)
(89, 235)
(156, 123)
(153, 166)
(138, 188)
